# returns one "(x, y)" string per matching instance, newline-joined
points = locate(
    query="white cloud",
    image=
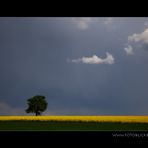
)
(146, 24)
(5, 109)
(129, 50)
(108, 21)
(82, 22)
(75, 60)
(141, 37)
(95, 59)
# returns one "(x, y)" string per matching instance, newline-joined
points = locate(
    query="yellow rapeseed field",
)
(135, 119)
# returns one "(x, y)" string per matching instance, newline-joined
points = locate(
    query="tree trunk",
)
(36, 113)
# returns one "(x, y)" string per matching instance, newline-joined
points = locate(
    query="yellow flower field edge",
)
(134, 119)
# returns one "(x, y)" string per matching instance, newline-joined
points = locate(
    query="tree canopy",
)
(37, 105)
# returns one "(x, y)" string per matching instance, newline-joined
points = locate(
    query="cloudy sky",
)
(84, 66)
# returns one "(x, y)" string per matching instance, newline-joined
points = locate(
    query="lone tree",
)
(37, 105)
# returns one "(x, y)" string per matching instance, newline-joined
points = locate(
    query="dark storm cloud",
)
(33, 60)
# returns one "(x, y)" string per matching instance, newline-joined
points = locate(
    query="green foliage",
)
(37, 105)
(70, 126)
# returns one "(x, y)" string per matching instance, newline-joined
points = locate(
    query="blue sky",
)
(84, 66)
